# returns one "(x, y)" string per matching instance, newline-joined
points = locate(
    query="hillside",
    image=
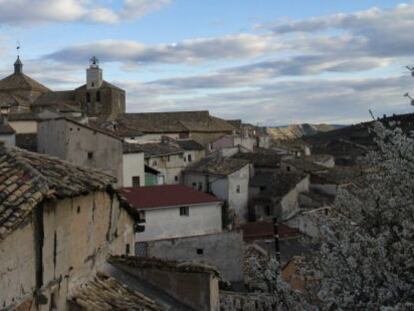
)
(295, 131)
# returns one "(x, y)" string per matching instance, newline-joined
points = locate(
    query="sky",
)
(267, 62)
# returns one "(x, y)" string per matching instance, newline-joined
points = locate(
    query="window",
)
(78, 210)
(200, 251)
(238, 189)
(200, 186)
(127, 249)
(194, 185)
(88, 97)
(98, 96)
(189, 158)
(141, 215)
(136, 182)
(184, 211)
(90, 155)
(92, 84)
(168, 158)
(176, 178)
(154, 163)
(288, 168)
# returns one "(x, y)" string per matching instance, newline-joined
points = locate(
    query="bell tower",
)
(93, 75)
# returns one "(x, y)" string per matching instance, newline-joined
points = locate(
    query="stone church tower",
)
(99, 98)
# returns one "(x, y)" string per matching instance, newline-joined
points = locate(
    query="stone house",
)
(7, 133)
(230, 141)
(281, 199)
(196, 125)
(133, 165)
(227, 179)
(59, 222)
(81, 145)
(166, 158)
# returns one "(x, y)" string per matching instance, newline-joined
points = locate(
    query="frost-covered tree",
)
(367, 256)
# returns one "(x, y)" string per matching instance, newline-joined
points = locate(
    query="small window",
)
(93, 84)
(200, 251)
(127, 249)
(238, 189)
(184, 211)
(168, 159)
(78, 210)
(90, 155)
(200, 186)
(176, 178)
(141, 215)
(98, 96)
(194, 185)
(136, 182)
(288, 168)
(154, 163)
(190, 158)
(88, 97)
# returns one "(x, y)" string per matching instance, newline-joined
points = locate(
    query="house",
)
(282, 198)
(7, 133)
(227, 179)
(133, 166)
(196, 125)
(258, 133)
(59, 223)
(166, 158)
(81, 145)
(185, 225)
(173, 211)
(231, 141)
(193, 151)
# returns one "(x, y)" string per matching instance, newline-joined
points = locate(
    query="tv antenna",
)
(411, 69)
(411, 99)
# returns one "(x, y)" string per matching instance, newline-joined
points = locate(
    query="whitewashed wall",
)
(133, 165)
(9, 140)
(167, 223)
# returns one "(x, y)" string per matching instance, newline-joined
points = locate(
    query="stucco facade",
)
(233, 189)
(167, 223)
(169, 166)
(81, 145)
(133, 167)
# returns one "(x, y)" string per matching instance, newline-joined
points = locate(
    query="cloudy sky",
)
(265, 61)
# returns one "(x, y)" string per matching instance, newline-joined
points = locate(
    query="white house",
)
(227, 179)
(173, 211)
(133, 166)
(229, 141)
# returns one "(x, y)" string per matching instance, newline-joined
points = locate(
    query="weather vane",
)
(18, 47)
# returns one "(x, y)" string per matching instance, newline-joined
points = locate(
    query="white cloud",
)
(187, 51)
(15, 12)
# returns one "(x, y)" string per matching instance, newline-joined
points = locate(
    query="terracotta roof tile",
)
(104, 293)
(27, 178)
(164, 196)
(220, 166)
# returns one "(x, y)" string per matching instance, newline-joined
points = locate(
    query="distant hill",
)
(295, 131)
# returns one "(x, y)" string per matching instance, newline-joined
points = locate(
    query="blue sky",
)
(267, 62)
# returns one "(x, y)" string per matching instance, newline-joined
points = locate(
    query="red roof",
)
(165, 196)
(263, 230)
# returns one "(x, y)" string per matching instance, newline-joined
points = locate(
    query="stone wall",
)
(222, 250)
